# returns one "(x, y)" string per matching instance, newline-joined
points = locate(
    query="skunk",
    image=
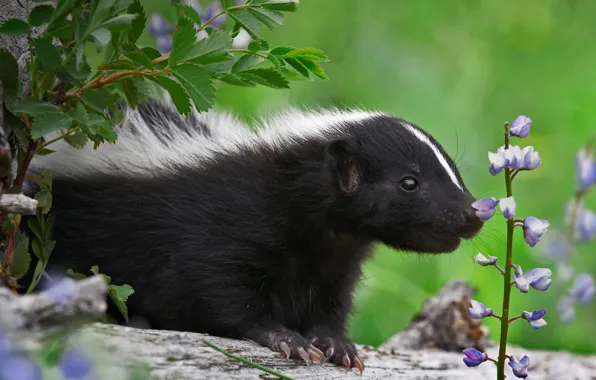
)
(254, 231)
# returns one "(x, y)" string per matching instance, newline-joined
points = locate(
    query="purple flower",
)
(211, 11)
(585, 169)
(163, 44)
(534, 228)
(538, 278)
(481, 260)
(520, 368)
(498, 161)
(61, 291)
(474, 357)
(75, 364)
(486, 208)
(19, 367)
(520, 126)
(515, 157)
(159, 26)
(566, 309)
(586, 224)
(583, 288)
(508, 206)
(530, 158)
(535, 318)
(478, 310)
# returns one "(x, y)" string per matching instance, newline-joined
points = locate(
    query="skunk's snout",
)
(470, 223)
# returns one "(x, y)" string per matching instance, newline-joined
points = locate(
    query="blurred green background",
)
(459, 70)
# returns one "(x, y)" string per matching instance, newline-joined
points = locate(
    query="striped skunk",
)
(259, 234)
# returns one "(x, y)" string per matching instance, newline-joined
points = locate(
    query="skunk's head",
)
(394, 183)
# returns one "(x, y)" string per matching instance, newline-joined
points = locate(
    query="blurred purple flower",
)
(520, 126)
(159, 26)
(566, 309)
(535, 318)
(474, 357)
(585, 169)
(520, 368)
(75, 365)
(583, 288)
(13, 367)
(62, 291)
(486, 208)
(478, 310)
(483, 261)
(586, 224)
(538, 278)
(534, 228)
(508, 207)
(556, 246)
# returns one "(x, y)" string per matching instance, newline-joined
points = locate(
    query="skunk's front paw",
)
(338, 348)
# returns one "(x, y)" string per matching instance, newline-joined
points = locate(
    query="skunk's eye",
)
(408, 184)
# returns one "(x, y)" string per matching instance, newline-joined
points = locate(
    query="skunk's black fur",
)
(257, 240)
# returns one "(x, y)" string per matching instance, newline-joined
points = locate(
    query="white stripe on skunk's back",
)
(139, 151)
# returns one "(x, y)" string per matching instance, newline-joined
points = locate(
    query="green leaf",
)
(37, 249)
(189, 12)
(95, 270)
(248, 21)
(101, 37)
(14, 27)
(41, 14)
(99, 10)
(311, 53)
(247, 61)
(49, 122)
(75, 275)
(151, 52)
(313, 67)
(119, 295)
(44, 199)
(9, 70)
(183, 42)
(121, 22)
(225, 4)
(62, 30)
(298, 66)
(273, 59)
(48, 249)
(278, 5)
(213, 48)
(62, 8)
(53, 350)
(179, 96)
(47, 176)
(272, 19)
(198, 84)
(130, 92)
(35, 107)
(138, 56)
(138, 25)
(266, 77)
(34, 226)
(77, 140)
(122, 64)
(20, 257)
(282, 50)
(236, 80)
(48, 54)
(79, 115)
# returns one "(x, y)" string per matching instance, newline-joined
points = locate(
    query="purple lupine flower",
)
(520, 126)
(556, 246)
(498, 161)
(19, 367)
(535, 318)
(483, 261)
(538, 278)
(530, 158)
(585, 168)
(209, 12)
(520, 368)
(242, 40)
(586, 225)
(62, 291)
(474, 357)
(566, 309)
(159, 26)
(486, 208)
(583, 288)
(534, 228)
(508, 207)
(514, 157)
(478, 310)
(74, 364)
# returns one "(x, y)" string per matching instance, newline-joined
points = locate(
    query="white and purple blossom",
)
(483, 261)
(585, 168)
(478, 310)
(585, 225)
(535, 318)
(61, 291)
(530, 158)
(520, 126)
(485, 207)
(497, 160)
(508, 207)
(474, 357)
(534, 228)
(583, 288)
(520, 368)
(74, 364)
(513, 158)
(19, 367)
(538, 278)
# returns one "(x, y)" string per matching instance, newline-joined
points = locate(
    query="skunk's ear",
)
(345, 165)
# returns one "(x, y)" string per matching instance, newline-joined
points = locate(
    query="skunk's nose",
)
(471, 224)
(469, 215)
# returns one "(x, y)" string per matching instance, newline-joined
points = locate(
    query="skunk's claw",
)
(338, 349)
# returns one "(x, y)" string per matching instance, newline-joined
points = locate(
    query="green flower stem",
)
(247, 52)
(507, 279)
